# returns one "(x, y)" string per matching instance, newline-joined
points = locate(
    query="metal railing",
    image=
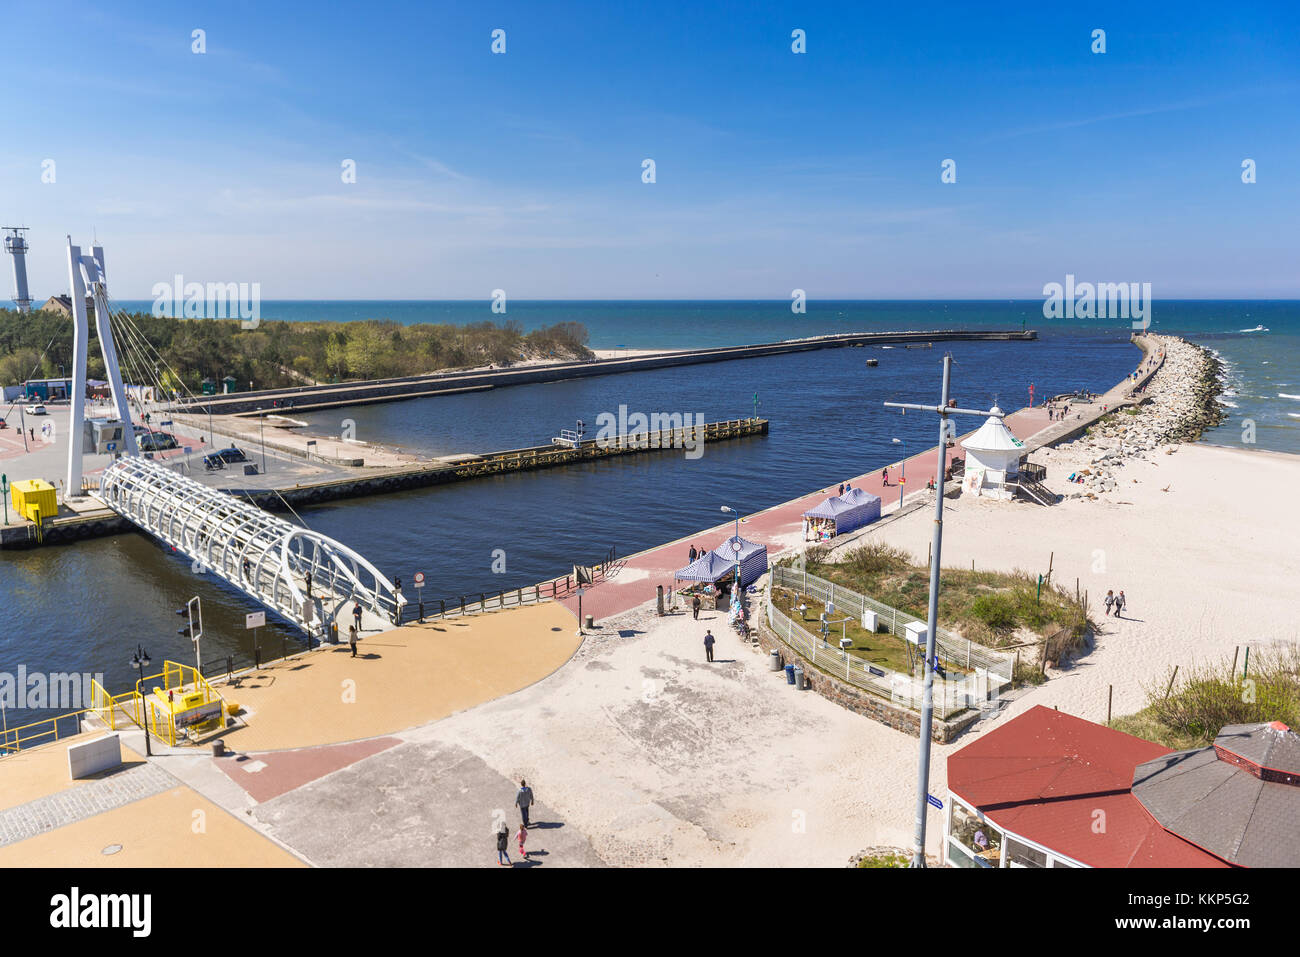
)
(952, 647)
(472, 603)
(13, 740)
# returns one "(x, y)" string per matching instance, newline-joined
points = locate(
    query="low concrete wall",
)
(92, 757)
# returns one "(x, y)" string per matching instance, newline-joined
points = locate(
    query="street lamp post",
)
(902, 473)
(262, 420)
(140, 661)
(735, 544)
(944, 409)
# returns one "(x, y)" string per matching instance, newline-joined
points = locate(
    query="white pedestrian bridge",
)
(299, 574)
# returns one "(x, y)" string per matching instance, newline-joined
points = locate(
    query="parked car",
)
(218, 460)
(35, 409)
(156, 441)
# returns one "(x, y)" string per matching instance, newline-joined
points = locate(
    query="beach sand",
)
(661, 758)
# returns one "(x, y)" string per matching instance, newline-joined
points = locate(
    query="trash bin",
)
(789, 674)
(776, 660)
(798, 677)
(218, 748)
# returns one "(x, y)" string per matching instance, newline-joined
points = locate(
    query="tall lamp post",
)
(902, 472)
(735, 548)
(140, 661)
(945, 408)
(262, 421)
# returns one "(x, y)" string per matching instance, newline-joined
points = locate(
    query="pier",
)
(95, 519)
(313, 398)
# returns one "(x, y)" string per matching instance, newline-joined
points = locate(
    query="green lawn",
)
(882, 650)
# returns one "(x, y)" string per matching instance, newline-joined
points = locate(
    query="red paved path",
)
(636, 582)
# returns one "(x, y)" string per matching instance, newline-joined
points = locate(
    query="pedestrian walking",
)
(695, 607)
(1110, 601)
(884, 474)
(841, 491)
(692, 553)
(356, 614)
(352, 639)
(1120, 602)
(708, 645)
(503, 840)
(522, 836)
(524, 800)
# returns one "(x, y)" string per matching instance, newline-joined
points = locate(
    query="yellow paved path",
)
(177, 828)
(400, 678)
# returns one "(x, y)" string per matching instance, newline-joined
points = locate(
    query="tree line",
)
(278, 353)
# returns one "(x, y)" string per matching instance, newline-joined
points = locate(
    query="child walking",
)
(522, 836)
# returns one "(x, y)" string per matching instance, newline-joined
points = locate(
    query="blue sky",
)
(775, 170)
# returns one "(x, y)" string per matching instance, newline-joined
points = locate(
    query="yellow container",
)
(33, 498)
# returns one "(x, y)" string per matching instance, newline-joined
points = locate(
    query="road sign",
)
(934, 801)
(255, 619)
(111, 447)
(418, 579)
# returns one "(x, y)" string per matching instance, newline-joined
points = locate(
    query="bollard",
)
(590, 622)
(659, 600)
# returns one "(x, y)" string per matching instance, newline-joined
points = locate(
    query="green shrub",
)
(995, 610)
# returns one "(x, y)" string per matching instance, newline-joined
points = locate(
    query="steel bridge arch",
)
(221, 532)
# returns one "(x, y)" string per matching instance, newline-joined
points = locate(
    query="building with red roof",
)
(1047, 789)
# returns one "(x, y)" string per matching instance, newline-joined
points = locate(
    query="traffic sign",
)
(418, 578)
(111, 447)
(255, 619)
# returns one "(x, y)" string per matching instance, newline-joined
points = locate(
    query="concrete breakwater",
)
(309, 398)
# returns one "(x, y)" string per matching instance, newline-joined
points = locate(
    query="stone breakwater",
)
(1180, 402)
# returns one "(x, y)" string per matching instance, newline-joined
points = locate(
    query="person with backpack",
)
(524, 800)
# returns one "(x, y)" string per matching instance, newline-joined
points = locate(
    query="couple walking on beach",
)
(1115, 601)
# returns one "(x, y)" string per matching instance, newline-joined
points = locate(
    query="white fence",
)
(990, 671)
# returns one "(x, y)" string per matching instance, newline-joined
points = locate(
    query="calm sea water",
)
(1259, 340)
(84, 607)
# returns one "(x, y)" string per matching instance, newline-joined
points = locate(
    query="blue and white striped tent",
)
(709, 567)
(752, 556)
(852, 510)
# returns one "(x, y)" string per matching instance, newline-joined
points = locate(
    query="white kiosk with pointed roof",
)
(992, 459)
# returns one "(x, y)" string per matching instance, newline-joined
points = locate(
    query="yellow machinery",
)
(34, 499)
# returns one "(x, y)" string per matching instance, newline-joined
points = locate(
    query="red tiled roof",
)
(1066, 783)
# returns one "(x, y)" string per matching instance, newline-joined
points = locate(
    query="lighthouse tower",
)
(16, 246)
